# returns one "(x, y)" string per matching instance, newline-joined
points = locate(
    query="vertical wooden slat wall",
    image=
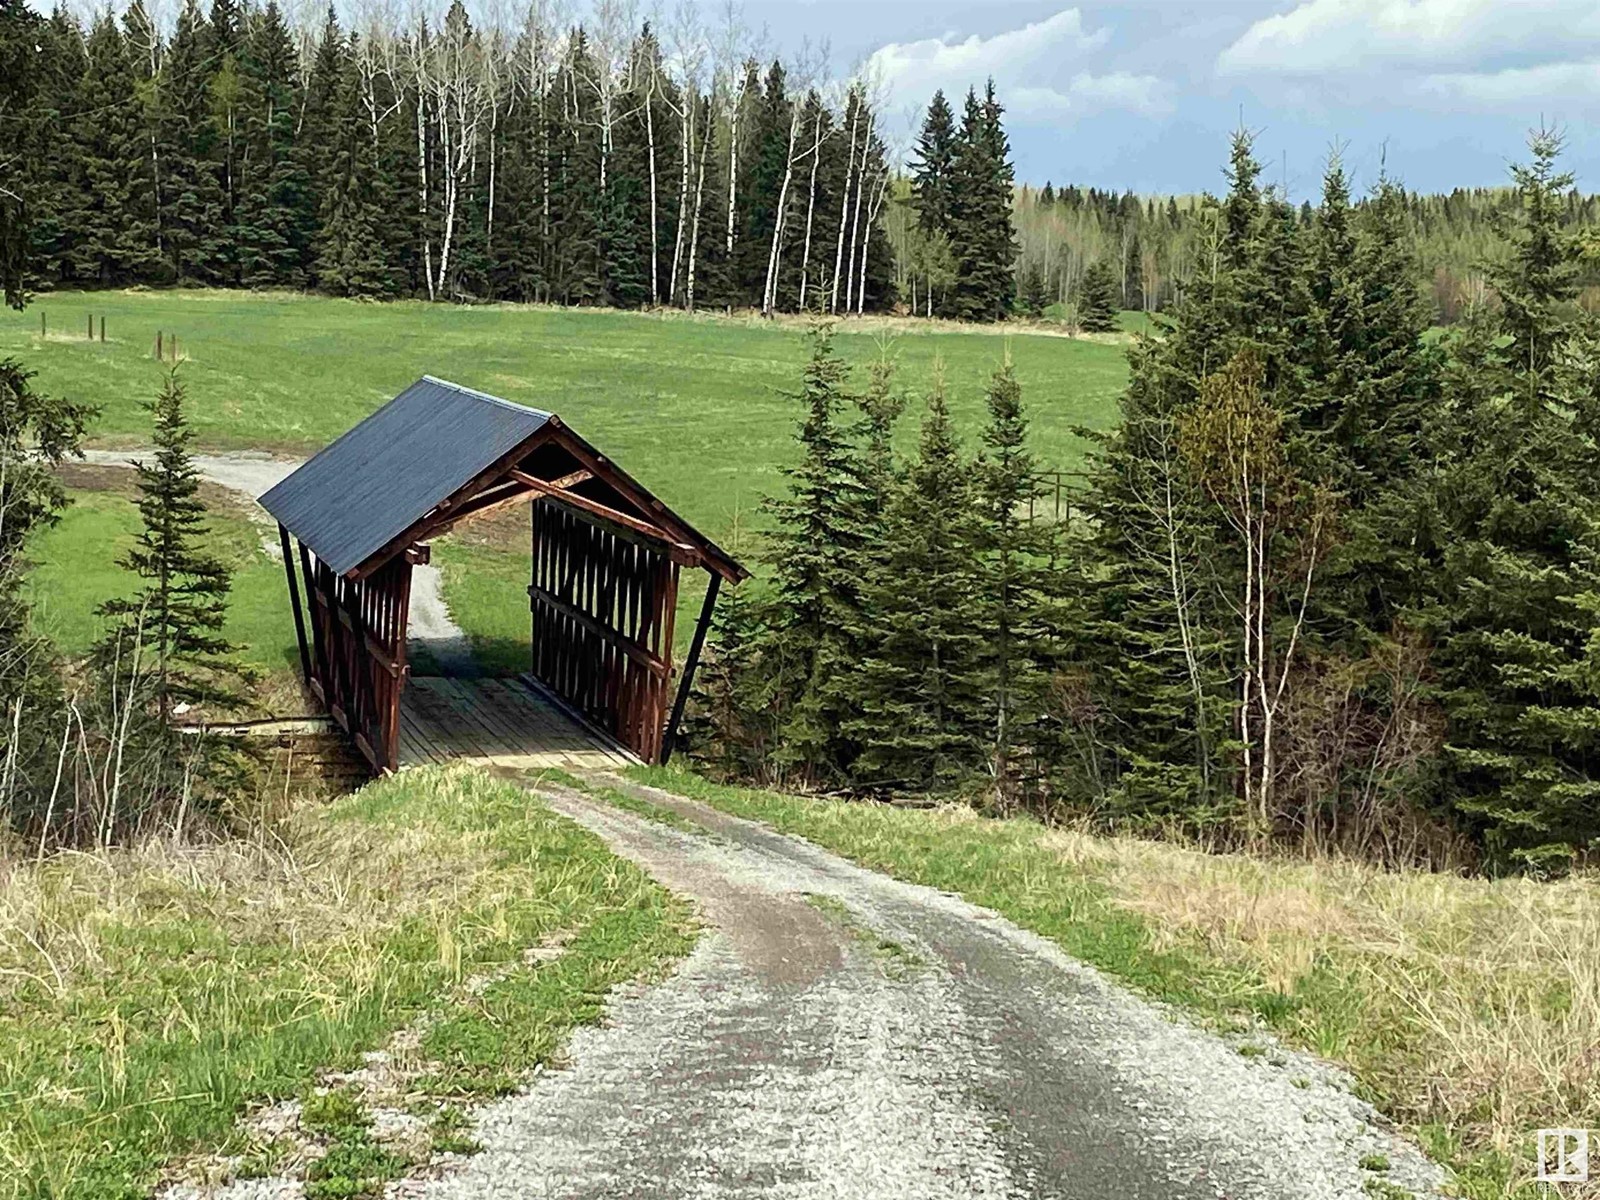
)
(358, 631)
(602, 610)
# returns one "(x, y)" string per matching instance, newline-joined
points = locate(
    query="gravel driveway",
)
(892, 1041)
(252, 473)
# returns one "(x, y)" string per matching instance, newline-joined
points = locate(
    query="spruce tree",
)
(1514, 569)
(733, 724)
(982, 232)
(1014, 551)
(1146, 565)
(19, 33)
(174, 620)
(116, 241)
(921, 713)
(1097, 299)
(761, 183)
(1032, 296)
(273, 208)
(223, 41)
(814, 547)
(933, 179)
(352, 255)
(57, 195)
(192, 201)
(577, 207)
(932, 166)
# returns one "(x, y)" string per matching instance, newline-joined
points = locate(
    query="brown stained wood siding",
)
(602, 609)
(359, 632)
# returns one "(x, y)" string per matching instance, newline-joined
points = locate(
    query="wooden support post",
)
(294, 602)
(318, 639)
(159, 348)
(689, 664)
(41, 323)
(91, 327)
(102, 328)
(402, 614)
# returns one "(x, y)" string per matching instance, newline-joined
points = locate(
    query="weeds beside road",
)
(147, 994)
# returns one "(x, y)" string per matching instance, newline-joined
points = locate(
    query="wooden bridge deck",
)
(501, 722)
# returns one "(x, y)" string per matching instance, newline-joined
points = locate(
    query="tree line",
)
(1331, 581)
(1153, 247)
(589, 164)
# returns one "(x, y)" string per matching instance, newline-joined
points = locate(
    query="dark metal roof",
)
(392, 469)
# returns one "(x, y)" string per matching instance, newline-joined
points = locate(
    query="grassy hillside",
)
(695, 407)
(76, 569)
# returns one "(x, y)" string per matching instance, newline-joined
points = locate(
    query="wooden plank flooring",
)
(505, 722)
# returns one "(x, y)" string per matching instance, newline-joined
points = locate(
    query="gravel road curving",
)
(892, 1041)
(252, 473)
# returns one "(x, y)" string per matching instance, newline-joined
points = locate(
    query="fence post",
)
(102, 327)
(158, 345)
(41, 323)
(91, 327)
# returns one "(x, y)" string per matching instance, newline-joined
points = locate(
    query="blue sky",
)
(1142, 94)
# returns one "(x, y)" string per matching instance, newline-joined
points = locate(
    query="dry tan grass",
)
(309, 881)
(1477, 1001)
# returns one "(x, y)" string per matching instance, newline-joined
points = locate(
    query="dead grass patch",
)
(1470, 1003)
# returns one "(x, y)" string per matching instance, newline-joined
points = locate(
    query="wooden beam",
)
(318, 646)
(595, 507)
(679, 553)
(377, 649)
(615, 477)
(419, 556)
(687, 682)
(391, 728)
(601, 630)
(486, 503)
(573, 479)
(294, 603)
(483, 479)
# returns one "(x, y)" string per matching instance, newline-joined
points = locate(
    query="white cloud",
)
(1325, 37)
(1559, 84)
(1040, 71)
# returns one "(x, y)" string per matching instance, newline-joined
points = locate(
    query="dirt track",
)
(887, 1041)
(252, 473)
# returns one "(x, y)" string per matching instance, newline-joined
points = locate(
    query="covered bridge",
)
(603, 592)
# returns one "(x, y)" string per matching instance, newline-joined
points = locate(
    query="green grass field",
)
(694, 407)
(76, 571)
(699, 409)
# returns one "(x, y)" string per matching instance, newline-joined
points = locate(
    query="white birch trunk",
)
(686, 138)
(855, 220)
(866, 237)
(422, 188)
(769, 295)
(650, 143)
(811, 208)
(844, 215)
(699, 205)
